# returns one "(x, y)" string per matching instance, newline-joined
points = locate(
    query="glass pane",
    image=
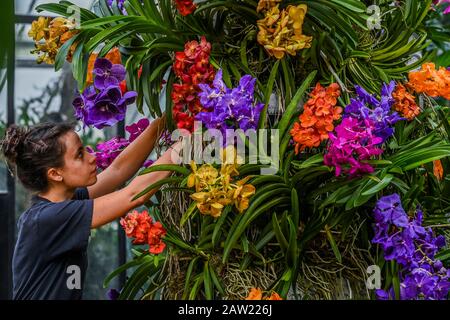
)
(28, 6)
(24, 44)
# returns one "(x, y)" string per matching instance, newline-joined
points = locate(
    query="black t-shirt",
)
(50, 257)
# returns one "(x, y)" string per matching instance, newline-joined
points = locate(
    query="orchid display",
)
(358, 115)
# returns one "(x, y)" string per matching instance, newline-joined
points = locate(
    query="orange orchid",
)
(317, 118)
(274, 296)
(405, 103)
(432, 81)
(257, 294)
(438, 170)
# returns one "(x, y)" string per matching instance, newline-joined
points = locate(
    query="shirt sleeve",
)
(65, 226)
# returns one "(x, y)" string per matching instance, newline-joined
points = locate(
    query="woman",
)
(50, 258)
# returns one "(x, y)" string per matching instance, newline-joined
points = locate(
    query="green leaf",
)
(61, 56)
(209, 293)
(267, 94)
(380, 186)
(292, 251)
(443, 255)
(156, 185)
(334, 247)
(123, 268)
(196, 286)
(166, 167)
(79, 66)
(189, 213)
(218, 226)
(292, 107)
(295, 207)
(248, 217)
(158, 70)
(216, 280)
(188, 276)
(279, 234)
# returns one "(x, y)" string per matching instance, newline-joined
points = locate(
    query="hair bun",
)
(13, 142)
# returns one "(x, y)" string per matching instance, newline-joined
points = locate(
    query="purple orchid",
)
(103, 104)
(120, 5)
(367, 106)
(108, 151)
(107, 74)
(148, 163)
(352, 142)
(108, 108)
(227, 108)
(137, 128)
(367, 123)
(414, 248)
(389, 210)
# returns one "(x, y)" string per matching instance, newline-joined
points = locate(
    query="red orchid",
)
(140, 227)
(192, 68)
(185, 7)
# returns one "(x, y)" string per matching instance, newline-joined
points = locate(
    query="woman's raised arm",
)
(128, 162)
(114, 205)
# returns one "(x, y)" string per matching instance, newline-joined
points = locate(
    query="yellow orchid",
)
(242, 194)
(49, 51)
(215, 189)
(282, 32)
(39, 28)
(266, 4)
(58, 26)
(211, 203)
(55, 32)
(202, 177)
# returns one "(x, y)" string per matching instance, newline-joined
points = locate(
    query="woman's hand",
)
(161, 124)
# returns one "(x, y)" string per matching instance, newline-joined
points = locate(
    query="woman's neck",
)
(57, 194)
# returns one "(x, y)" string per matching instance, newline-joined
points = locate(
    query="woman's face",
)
(80, 169)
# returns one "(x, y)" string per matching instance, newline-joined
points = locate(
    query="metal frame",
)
(7, 199)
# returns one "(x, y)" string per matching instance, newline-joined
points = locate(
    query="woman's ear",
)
(53, 174)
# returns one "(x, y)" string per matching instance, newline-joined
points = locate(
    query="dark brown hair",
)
(30, 152)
